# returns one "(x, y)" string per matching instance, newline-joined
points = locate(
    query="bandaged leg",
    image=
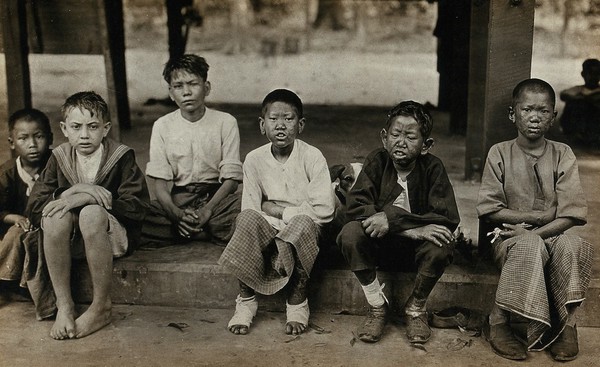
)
(417, 327)
(297, 310)
(245, 310)
(298, 314)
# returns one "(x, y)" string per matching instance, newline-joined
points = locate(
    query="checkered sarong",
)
(540, 278)
(264, 258)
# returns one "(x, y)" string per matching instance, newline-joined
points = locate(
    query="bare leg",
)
(93, 223)
(57, 250)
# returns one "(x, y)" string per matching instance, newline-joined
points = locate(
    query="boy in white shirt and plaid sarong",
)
(287, 196)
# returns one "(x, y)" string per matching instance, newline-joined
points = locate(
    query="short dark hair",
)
(533, 85)
(30, 114)
(590, 64)
(285, 96)
(191, 63)
(415, 110)
(88, 100)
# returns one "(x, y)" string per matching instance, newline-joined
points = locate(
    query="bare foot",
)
(294, 328)
(93, 319)
(239, 329)
(64, 327)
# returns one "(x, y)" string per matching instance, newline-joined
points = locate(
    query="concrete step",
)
(188, 276)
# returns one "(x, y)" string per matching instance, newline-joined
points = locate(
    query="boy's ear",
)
(207, 87)
(427, 145)
(261, 125)
(301, 123)
(511, 114)
(11, 143)
(63, 128)
(383, 135)
(107, 126)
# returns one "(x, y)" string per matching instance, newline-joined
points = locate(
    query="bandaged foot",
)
(297, 318)
(245, 310)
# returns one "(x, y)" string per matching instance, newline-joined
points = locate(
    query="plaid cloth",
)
(264, 258)
(540, 278)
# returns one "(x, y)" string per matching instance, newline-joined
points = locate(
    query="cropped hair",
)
(590, 64)
(190, 63)
(30, 114)
(534, 85)
(285, 96)
(415, 110)
(90, 101)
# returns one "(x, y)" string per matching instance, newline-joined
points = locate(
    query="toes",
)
(239, 329)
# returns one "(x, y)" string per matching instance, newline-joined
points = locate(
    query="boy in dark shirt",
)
(402, 202)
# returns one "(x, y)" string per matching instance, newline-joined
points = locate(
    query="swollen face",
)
(281, 124)
(533, 114)
(403, 141)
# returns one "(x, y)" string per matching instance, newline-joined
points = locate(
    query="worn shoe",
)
(503, 342)
(372, 329)
(565, 347)
(417, 328)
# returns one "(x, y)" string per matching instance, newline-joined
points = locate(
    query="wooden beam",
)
(500, 57)
(14, 34)
(113, 46)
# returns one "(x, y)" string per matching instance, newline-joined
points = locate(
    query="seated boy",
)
(581, 115)
(530, 189)
(30, 137)
(287, 197)
(89, 201)
(401, 207)
(194, 166)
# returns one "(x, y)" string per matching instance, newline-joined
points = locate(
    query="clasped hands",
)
(76, 196)
(191, 221)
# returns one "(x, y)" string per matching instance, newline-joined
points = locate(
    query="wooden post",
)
(113, 46)
(14, 31)
(500, 57)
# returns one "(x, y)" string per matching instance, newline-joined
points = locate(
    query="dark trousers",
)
(392, 252)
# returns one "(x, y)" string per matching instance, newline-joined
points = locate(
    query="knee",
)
(532, 243)
(56, 224)
(93, 219)
(303, 221)
(437, 256)
(351, 235)
(248, 216)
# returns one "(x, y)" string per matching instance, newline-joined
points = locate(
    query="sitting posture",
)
(29, 137)
(194, 168)
(581, 115)
(287, 196)
(401, 207)
(89, 202)
(530, 190)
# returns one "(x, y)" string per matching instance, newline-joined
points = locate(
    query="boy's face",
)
(533, 114)
(84, 131)
(188, 91)
(403, 141)
(29, 141)
(281, 124)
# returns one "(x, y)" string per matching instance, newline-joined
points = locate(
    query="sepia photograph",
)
(299, 183)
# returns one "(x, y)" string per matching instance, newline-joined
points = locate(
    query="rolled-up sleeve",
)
(158, 166)
(230, 167)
